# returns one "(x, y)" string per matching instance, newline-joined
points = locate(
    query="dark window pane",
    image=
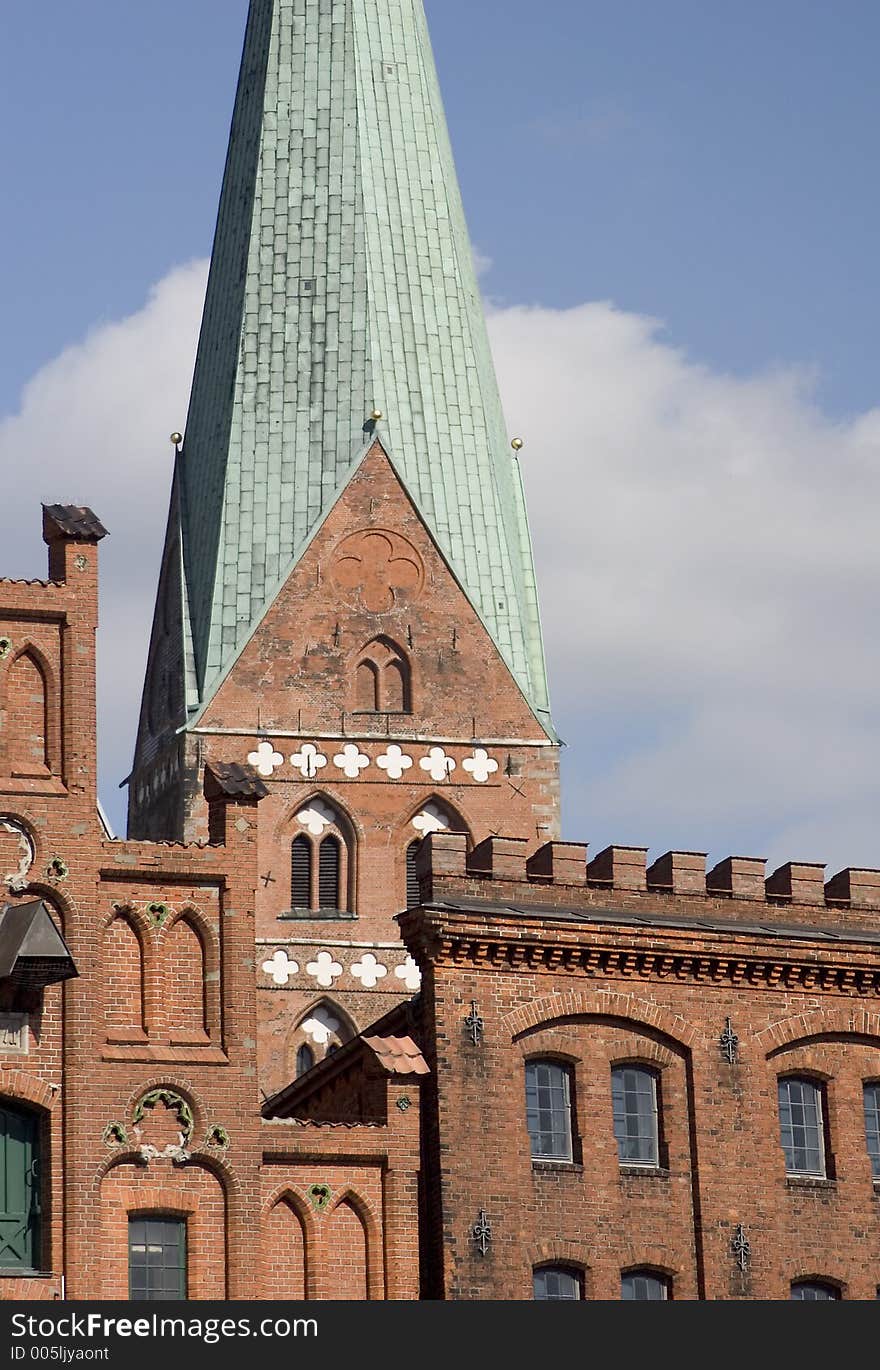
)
(328, 874)
(157, 1258)
(814, 1290)
(634, 1102)
(305, 1059)
(548, 1110)
(550, 1282)
(872, 1125)
(301, 873)
(413, 895)
(800, 1122)
(642, 1284)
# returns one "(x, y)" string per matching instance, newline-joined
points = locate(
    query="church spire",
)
(342, 283)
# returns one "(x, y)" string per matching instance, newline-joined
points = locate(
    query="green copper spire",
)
(342, 282)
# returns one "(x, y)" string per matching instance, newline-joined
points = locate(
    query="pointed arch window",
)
(321, 864)
(383, 679)
(305, 1059)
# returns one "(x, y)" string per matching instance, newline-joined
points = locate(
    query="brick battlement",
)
(561, 872)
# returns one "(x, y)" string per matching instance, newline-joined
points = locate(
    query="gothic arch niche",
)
(29, 716)
(382, 678)
(124, 981)
(286, 1248)
(346, 1244)
(321, 1030)
(185, 964)
(434, 816)
(322, 864)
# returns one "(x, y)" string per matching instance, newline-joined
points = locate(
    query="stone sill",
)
(651, 1172)
(8, 1272)
(808, 1182)
(550, 1167)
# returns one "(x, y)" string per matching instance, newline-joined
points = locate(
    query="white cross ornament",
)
(394, 762)
(266, 760)
(351, 761)
(431, 819)
(280, 967)
(480, 765)
(324, 969)
(316, 818)
(308, 761)
(409, 973)
(437, 764)
(369, 971)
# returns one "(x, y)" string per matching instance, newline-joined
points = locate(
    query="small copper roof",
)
(74, 521)
(398, 1055)
(238, 782)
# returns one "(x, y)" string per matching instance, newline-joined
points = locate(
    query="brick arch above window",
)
(843, 1022)
(636, 1013)
(382, 678)
(563, 1039)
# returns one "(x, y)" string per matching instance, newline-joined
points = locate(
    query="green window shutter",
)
(19, 1189)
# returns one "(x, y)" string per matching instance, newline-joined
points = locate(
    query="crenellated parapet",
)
(565, 869)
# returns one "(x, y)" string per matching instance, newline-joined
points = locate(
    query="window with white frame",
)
(802, 1126)
(548, 1110)
(634, 1099)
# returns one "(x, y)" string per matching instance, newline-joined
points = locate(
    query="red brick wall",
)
(284, 1252)
(124, 980)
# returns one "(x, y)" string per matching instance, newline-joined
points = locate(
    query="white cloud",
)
(716, 678)
(93, 428)
(705, 547)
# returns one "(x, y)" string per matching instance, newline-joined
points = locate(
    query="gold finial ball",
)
(377, 415)
(517, 444)
(177, 439)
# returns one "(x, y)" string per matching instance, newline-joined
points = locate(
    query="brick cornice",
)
(450, 937)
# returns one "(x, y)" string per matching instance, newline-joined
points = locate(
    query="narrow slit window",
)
(329, 863)
(301, 873)
(413, 894)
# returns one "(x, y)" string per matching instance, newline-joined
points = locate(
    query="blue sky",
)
(710, 164)
(679, 202)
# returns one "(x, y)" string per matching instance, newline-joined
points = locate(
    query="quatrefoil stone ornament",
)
(308, 761)
(431, 819)
(351, 761)
(379, 569)
(324, 969)
(394, 762)
(437, 764)
(410, 974)
(316, 818)
(280, 968)
(480, 766)
(266, 760)
(369, 970)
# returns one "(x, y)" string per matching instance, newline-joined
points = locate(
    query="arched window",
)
(557, 1282)
(321, 867)
(329, 868)
(305, 1059)
(548, 1110)
(383, 679)
(644, 1284)
(413, 894)
(814, 1290)
(802, 1126)
(322, 1030)
(19, 1188)
(301, 873)
(636, 1115)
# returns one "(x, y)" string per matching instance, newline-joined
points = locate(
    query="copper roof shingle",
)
(74, 521)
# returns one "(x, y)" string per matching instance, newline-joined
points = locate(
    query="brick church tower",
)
(347, 601)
